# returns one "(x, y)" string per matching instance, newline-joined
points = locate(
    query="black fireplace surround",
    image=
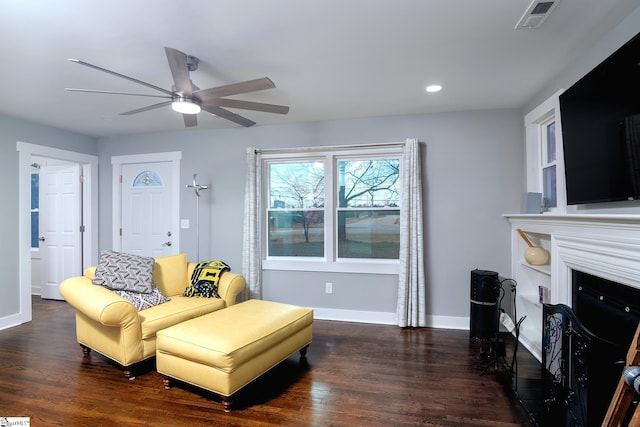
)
(608, 309)
(584, 348)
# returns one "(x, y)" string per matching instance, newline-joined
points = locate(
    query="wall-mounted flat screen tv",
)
(600, 117)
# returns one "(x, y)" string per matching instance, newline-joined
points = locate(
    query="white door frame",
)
(117, 161)
(90, 215)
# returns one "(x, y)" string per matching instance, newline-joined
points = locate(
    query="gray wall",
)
(11, 131)
(604, 47)
(472, 174)
(607, 45)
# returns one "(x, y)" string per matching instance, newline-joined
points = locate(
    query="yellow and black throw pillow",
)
(205, 278)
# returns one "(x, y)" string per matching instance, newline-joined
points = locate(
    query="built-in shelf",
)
(603, 245)
(529, 278)
(544, 269)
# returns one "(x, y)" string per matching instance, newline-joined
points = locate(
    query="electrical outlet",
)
(328, 287)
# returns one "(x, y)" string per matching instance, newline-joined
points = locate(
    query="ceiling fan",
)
(188, 99)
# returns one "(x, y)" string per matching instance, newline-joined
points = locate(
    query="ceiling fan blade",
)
(150, 107)
(109, 92)
(225, 114)
(206, 95)
(113, 73)
(250, 105)
(179, 70)
(190, 120)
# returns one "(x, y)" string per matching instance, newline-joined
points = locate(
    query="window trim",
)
(534, 129)
(330, 262)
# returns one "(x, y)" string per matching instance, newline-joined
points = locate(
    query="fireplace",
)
(584, 349)
(598, 276)
(594, 275)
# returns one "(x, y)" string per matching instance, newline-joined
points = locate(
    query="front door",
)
(147, 227)
(60, 221)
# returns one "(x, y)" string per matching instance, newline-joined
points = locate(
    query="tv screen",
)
(600, 117)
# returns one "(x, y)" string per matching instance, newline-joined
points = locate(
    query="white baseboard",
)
(11, 321)
(376, 317)
(533, 349)
(386, 318)
(358, 316)
(450, 322)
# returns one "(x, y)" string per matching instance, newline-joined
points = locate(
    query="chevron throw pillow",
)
(125, 272)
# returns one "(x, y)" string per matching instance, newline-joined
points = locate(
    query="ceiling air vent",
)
(536, 14)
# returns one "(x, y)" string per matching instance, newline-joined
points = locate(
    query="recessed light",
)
(433, 88)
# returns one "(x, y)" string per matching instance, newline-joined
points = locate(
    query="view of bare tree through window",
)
(366, 208)
(296, 209)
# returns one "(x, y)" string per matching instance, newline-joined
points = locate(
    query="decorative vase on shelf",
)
(534, 255)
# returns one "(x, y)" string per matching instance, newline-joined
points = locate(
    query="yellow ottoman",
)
(225, 350)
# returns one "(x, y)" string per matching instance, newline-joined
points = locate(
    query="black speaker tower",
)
(484, 304)
(485, 316)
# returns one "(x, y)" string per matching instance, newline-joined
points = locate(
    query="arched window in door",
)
(147, 179)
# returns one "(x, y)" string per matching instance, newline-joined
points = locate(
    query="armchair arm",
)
(90, 272)
(97, 302)
(230, 285)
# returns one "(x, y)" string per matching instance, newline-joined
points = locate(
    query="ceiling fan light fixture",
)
(187, 99)
(185, 105)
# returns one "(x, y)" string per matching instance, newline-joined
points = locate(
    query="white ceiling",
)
(330, 59)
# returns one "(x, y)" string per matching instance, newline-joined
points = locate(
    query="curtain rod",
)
(328, 148)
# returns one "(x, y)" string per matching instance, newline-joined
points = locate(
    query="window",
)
(368, 208)
(548, 166)
(545, 167)
(147, 179)
(296, 209)
(334, 210)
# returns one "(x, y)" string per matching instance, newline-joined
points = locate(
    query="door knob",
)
(167, 243)
(41, 239)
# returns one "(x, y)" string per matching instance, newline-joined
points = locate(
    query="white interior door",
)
(60, 221)
(147, 227)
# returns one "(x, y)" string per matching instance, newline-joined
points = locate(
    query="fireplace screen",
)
(579, 370)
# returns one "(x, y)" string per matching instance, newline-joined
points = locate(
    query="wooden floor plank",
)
(357, 375)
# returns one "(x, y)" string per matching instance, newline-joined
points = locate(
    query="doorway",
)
(146, 204)
(89, 203)
(56, 224)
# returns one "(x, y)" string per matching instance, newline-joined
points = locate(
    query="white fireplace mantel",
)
(607, 246)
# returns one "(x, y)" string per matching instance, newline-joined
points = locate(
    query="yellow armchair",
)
(113, 327)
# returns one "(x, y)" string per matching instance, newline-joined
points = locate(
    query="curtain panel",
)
(411, 306)
(251, 247)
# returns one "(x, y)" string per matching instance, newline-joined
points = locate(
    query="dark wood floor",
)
(357, 375)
